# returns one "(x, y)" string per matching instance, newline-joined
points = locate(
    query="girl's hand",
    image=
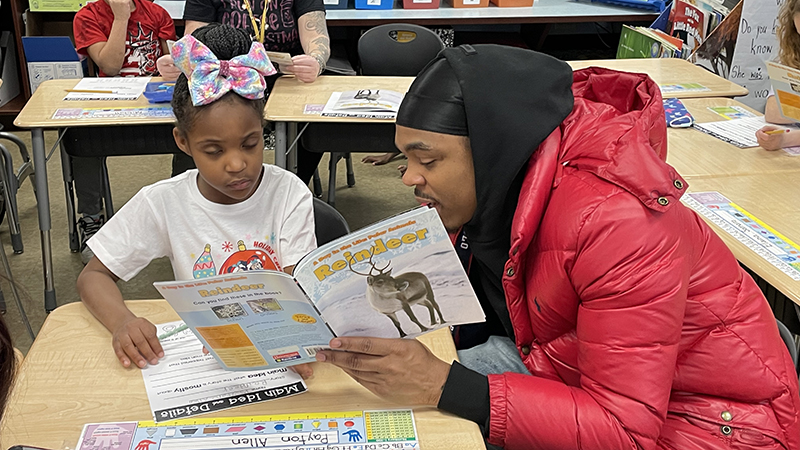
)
(304, 67)
(167, 69)
(304, 370)
(770, 141)
(136, 341)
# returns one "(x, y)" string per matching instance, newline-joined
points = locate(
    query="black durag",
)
(507, 101)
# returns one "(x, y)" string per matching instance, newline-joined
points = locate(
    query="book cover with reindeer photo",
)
(400, 277)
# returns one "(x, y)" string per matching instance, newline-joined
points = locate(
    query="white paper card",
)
(109, 88)
(186, 382)
(739, 132)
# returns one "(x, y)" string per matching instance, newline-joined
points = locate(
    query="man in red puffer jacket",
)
(618, 319)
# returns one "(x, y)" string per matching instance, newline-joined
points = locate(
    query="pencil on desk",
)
(775, 131)
(90, 91)
(173, 332)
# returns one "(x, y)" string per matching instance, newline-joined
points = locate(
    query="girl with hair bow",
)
(192, 218)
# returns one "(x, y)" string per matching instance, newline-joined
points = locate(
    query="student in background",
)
(789, 55)
(232, 213)
(293, 26)
(123, 38)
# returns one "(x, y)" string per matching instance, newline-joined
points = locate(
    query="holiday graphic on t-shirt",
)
(263, 257)
(141, 52)
(280, 28)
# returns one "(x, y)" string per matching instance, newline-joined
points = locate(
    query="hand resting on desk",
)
(777, 141)
(136, 340)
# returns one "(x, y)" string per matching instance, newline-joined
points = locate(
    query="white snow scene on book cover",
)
(353, 315)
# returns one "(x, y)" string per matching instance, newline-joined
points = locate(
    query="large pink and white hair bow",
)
(209, 78)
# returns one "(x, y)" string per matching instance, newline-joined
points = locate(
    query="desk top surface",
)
(671, 71)
(772, 198)
(699, 155)
(289, 96)
(72, 377)
(49, 97)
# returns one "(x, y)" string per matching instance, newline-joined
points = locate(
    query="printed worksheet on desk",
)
(364, 104)
(186, 382)
(108, 88)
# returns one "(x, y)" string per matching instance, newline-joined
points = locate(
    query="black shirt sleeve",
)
(202, 10)
(473, 406)
(300, 7)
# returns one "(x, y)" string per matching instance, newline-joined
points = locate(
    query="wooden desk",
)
(775, 200)
(289, 97)
(670, 71)
(72, 377)
(699, 155)
(49, 97)
(37, 115)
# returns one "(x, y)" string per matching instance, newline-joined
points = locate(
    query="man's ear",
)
(181, 141)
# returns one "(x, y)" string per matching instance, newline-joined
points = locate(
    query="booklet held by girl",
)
(400, 277)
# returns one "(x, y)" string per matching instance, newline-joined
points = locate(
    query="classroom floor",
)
(378, 193)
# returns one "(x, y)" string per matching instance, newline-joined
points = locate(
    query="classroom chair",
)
(104, 142)
(10, 182)
(7, 271)
(328, 223)
(385, 50)
(788, 339)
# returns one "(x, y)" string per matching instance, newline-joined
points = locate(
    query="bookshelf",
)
(15, 8)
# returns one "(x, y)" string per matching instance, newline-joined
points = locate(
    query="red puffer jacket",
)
(635, 318)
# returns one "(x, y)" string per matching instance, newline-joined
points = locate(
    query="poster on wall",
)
(757, 43)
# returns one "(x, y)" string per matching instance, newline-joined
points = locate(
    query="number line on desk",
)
(729, 228)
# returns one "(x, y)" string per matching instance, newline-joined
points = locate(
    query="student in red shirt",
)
(123, 38)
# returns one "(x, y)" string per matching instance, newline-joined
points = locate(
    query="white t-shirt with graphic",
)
(272, 229)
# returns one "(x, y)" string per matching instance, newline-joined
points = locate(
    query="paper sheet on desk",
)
(109, 88)
(738, 132)
(186, 382)
(363, 104)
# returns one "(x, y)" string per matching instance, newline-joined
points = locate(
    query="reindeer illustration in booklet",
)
(388, 295)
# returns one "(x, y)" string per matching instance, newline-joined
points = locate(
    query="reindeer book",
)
(398, 278)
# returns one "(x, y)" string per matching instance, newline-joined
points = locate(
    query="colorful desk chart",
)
(158, 112)
(349, 430)
(682, 88)
(749, 230)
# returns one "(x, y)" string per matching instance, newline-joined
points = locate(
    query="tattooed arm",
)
(316, 45)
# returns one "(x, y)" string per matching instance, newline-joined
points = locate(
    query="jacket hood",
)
(617, 132)
(508, 101)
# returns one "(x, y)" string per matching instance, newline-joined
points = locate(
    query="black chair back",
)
(788, 339)
(397, 49)
(328, 223)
